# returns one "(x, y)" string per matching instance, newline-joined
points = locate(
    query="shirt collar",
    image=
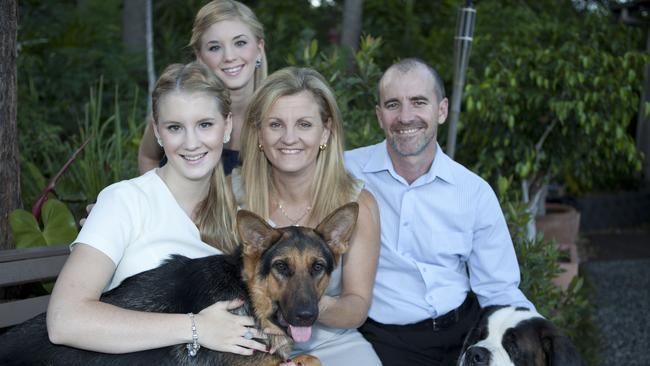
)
(380, 161)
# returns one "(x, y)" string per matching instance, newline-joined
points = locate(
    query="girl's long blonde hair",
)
(331, 185)
(215, 218)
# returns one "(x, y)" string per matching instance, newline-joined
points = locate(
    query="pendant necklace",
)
(294, 222)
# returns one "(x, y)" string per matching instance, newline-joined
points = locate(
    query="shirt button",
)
(424, 269)
(405, 224)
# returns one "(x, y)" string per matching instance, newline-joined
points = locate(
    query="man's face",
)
(409, 112)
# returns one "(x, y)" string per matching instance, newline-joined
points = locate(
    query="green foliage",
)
(172, 27)
(553, 96)
(291, 26)
(112, 149)
(59, 226)
(113, 140)
(63, 47)
(538, 260)
(355, 91)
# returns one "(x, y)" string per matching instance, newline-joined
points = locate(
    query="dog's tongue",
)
(300, 334)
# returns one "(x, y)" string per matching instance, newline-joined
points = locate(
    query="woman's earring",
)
(159, 141)
(260, 147)
(322, 147)
(258, 63)
(226, 138)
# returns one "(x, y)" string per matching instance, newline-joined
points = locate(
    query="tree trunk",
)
(351, 34)
(352, 16)
(134, 25)
(9, 166)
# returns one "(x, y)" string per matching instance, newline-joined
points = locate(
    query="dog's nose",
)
(477, 356)
(306, 316)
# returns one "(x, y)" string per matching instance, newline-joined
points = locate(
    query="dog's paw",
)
(302, 360)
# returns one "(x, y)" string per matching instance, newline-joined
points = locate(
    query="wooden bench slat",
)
(15, 312)
(31, 270)
(20, 266)
(12, 255)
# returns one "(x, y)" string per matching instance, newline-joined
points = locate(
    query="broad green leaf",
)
(60, 226)
(58, 222)
(25, 229)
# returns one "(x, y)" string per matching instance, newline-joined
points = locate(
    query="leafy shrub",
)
(538, 260)
(552, 97)
(112, 148)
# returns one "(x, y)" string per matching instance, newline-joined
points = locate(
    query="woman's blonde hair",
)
(219, 10)
(215, 218)
(331, 185)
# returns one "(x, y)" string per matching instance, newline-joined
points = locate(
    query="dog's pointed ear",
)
(338, 226)
(255, 233)
(558, 349)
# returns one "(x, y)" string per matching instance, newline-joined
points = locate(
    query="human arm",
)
(77, 318)
(350, 309)
(493, 268)
(149, 153)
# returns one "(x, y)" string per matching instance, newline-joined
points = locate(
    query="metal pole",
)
(462, 47)
(151, 73)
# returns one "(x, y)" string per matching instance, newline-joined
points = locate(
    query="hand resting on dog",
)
(116, 330)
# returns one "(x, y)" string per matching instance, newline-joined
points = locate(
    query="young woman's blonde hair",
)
(219, 10)
(331, 185)
(215, 218)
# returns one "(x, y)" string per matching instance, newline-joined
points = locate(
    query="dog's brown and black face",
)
(509, 336)
(287, 270)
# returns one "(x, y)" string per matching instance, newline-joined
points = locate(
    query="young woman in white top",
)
(182, 208)
(228, 38)
(293, 174)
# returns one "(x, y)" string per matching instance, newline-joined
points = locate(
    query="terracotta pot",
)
(561, 223)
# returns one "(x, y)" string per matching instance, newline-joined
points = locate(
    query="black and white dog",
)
(510, 336)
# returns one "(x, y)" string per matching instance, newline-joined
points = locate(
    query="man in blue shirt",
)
(443, 234)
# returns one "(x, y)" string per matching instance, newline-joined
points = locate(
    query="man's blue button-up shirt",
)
(435, 231)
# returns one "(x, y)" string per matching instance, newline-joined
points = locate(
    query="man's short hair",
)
(407, 64)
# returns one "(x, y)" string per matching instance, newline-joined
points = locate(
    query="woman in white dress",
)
(293, 174)
(184, 207)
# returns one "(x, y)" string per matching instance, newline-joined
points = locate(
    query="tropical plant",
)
(569, 309)
(58, 224)
(551, 98)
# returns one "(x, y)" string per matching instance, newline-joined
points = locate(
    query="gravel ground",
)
(622, 305)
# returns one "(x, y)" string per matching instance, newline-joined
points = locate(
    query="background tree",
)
(551, 97)
(351, 33)
(9, 168)
(133, 25)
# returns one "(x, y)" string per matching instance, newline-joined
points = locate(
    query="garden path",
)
(616, 265)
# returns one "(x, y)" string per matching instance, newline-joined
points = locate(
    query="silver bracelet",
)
(193, 348)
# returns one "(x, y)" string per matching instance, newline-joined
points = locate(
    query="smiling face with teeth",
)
(191, 129)
(230, 49)
(292, 133)
(409, 112)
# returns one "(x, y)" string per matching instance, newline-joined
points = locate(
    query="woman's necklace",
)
(293, 222)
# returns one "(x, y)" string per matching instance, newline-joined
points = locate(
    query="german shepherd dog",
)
(281, 273)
